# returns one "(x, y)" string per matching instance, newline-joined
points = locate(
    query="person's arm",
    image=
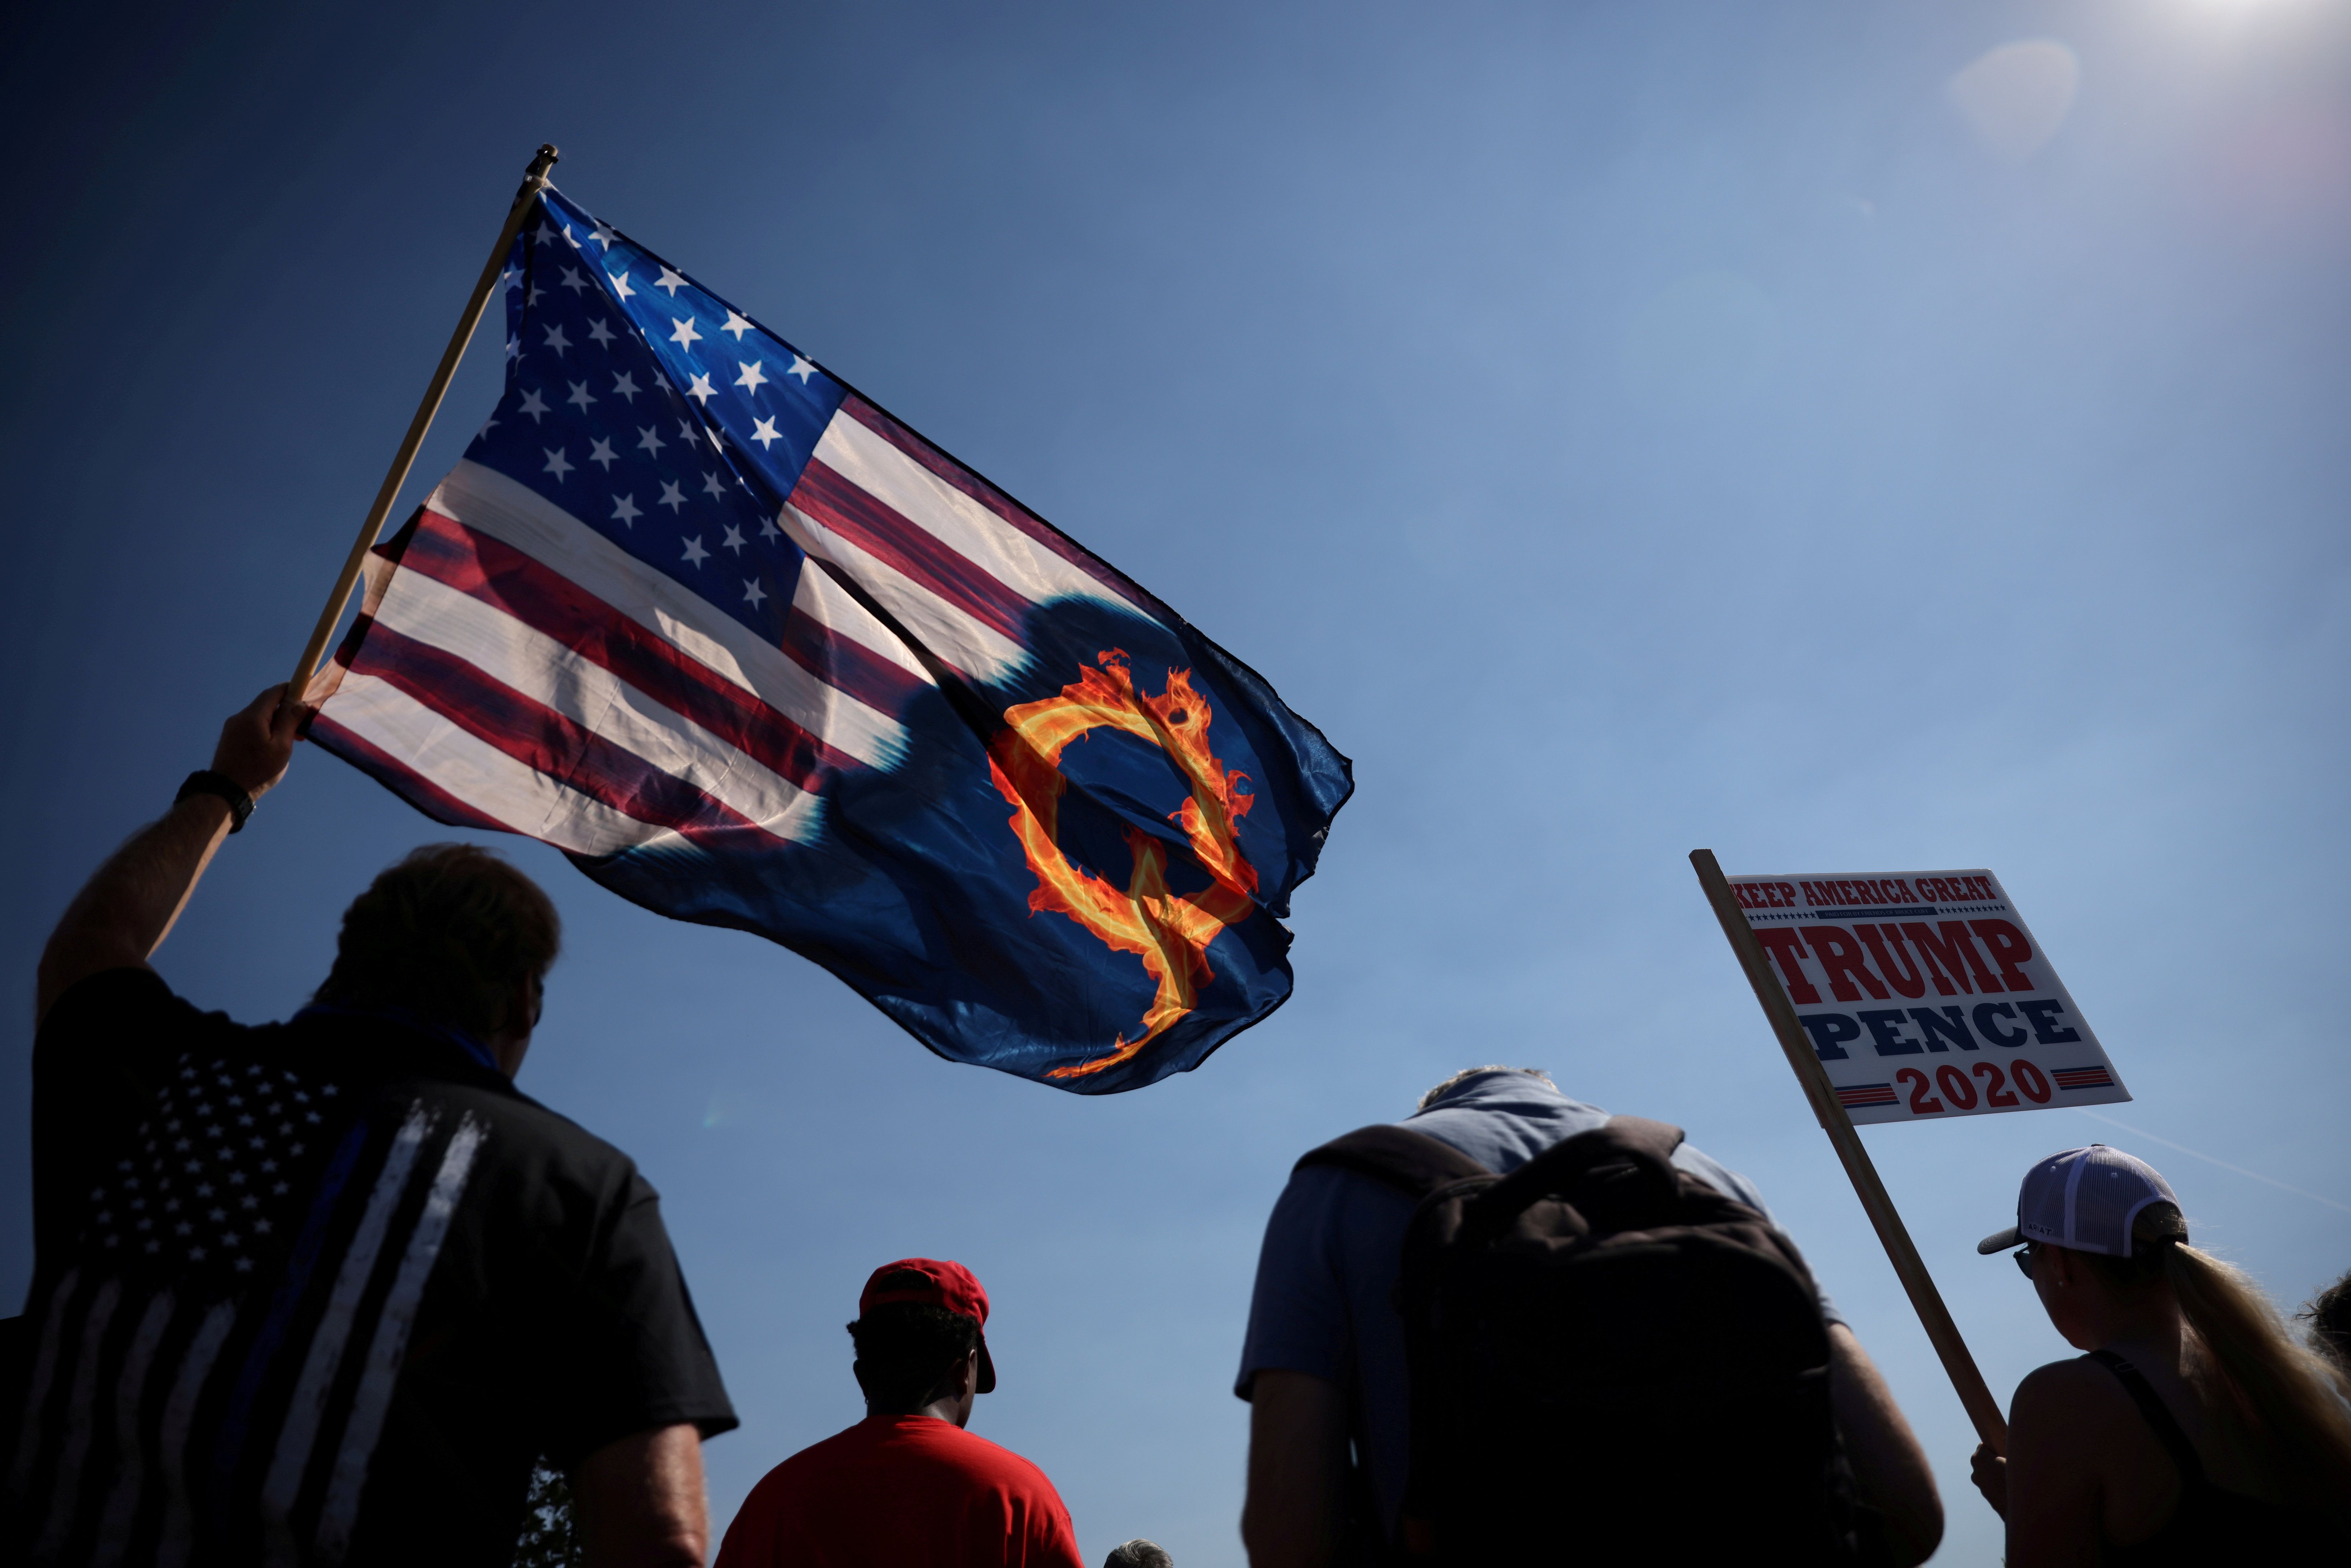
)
(2060, 1426)
(1297, 1499)
(125, 910)
(640, 1502)
(1888, 1466)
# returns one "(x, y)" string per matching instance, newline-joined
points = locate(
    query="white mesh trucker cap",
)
(2083, 1198)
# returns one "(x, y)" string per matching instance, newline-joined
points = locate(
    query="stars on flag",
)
(168, 1196)
(655, 342)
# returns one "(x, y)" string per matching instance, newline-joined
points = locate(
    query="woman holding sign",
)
(2196, 1430)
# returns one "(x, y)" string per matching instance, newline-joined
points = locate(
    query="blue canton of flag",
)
(756, 655)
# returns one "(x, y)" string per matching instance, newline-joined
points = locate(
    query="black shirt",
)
(320, 1291)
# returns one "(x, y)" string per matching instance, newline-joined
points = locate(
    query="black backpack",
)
(1611, 1362)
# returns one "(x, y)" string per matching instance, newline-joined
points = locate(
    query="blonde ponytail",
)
(2294, 1402)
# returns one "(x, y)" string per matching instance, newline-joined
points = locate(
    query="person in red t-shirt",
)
(907, 1487)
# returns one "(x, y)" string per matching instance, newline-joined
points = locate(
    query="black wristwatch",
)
(204, 781)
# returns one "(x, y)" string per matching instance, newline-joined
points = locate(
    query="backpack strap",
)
(1413, 1163)
(1620, 1176)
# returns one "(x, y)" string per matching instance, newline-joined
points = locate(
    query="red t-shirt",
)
(902, 1491)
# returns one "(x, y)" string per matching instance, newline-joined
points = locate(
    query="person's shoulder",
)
(549, 1123)
(547, 1153)
(980, 1453)
(2076, 1394)
(118, 1031)
(821, 1454)
(780, 1496)
(409, 1064)
(2068, 1379)
(130, 993)
(2072, 1423)
(1327, 1190)
(561, 1144)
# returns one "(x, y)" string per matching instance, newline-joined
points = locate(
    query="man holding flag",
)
(323, 1291)
(752, 654)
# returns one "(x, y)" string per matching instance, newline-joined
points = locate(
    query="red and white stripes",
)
(520, 666)
(958, 566)
(520, 670)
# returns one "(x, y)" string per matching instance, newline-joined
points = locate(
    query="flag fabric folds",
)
(755, 655)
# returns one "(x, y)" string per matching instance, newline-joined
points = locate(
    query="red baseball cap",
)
(935, 1283)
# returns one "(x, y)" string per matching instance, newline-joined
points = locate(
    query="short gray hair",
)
(1467, 1073)
(1139, 1553)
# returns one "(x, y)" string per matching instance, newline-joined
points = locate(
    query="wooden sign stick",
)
(1982, 1408)
(533, 180)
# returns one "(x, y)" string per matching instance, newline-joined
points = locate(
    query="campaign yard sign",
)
(1926, 995)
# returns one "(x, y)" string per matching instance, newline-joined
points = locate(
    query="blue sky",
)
(1827, 433)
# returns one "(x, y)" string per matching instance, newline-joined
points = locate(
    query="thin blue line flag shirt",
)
(318, 1293)
(755, 655)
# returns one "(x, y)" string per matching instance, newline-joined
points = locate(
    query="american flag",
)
(756, 655)
(249, 1277)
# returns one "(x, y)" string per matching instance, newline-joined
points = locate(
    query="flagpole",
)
(533, 180)
(1908, 1267)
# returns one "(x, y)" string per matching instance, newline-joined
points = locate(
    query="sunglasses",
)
(2023, 1256)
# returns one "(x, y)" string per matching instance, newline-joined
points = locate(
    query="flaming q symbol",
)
(1169, 934)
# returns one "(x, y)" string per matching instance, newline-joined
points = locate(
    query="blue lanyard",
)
(402, 1016)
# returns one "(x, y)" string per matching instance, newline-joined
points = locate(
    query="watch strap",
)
(204, 781)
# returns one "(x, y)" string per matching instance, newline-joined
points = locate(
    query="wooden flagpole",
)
(533, 180)
(1981, 1408)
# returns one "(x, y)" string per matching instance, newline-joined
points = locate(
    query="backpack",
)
(1610, 1362)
